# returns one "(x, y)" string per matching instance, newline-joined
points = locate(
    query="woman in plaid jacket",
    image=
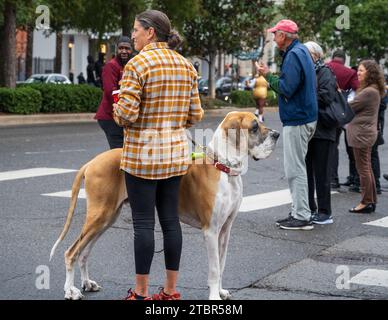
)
(158, 100)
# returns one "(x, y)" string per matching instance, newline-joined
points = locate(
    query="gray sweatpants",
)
(295, 140)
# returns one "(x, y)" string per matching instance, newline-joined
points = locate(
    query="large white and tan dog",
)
(209, 197)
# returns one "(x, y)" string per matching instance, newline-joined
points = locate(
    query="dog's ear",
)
(233, 130)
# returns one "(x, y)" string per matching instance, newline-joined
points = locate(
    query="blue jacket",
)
(297, 86)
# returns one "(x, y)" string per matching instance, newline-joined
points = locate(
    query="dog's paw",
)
(90, 286)
(225, 294)
(73, 294)
(215, 297)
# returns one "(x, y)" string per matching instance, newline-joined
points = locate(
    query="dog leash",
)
(217, 164)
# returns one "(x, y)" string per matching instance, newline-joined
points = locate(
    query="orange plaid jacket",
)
(158, 99)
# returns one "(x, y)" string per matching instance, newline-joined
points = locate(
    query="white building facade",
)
(75, 49)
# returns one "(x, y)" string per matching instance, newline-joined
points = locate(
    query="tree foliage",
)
(367, 33)
(179, 11)
(226, 26)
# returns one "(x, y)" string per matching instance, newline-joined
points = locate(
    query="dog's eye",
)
(255, 127)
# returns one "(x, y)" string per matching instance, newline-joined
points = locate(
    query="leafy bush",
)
(242, 98)
(21, 100)
(68, 98)
(272, 98)
(209, 103)
(245, 98)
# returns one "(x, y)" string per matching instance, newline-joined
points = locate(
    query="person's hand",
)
(262, 68)
(115, 106)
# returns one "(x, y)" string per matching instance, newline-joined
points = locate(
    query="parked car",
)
(224, 87)
(203, 86)
(244, 83)
(48, 78)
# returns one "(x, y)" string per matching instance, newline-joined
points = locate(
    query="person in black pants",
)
(351, 178)
(110, 81)
(348, 83)
(148, 194)
(321, 146)
(158, 101)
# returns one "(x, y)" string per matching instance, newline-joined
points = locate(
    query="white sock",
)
(260, 117)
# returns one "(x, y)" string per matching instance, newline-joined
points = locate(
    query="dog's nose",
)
(275, 134)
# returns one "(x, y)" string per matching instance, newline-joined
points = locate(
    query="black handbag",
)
(338, 113)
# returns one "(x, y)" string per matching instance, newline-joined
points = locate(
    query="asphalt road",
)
(263, 261)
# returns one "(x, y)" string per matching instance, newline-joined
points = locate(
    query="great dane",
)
(210, 196)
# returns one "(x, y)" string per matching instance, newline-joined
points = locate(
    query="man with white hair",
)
(296, 88)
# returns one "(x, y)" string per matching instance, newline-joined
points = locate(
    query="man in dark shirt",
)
(347, 80)
(111, 76)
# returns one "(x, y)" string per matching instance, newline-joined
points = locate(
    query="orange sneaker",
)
(164, 296)
(133, 296)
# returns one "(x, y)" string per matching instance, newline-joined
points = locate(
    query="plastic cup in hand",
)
(115, 95)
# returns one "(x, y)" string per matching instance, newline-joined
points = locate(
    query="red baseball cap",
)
(286, 26)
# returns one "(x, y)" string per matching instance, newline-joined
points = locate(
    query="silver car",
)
(55, 78)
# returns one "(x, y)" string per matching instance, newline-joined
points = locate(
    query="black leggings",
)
(143, 196)
(114, 133)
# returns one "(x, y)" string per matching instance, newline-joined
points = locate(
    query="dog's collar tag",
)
(222, 167)
(225, 169)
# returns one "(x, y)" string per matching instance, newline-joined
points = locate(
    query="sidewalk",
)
(7, 120)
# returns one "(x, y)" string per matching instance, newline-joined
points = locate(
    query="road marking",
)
(383, 222)
(371, 277)
(267, 200)
(47, 152)
(66, 194)
(31, 173)
(249, 203)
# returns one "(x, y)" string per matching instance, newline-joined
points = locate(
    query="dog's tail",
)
(74, 196)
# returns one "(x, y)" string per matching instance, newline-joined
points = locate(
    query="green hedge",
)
(209, 103)
(68, 98)
(245, 98)
(22, 100)
(50, 98)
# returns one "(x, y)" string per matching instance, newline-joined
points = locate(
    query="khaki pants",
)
(295, 144)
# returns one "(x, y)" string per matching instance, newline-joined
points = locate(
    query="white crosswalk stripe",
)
(371, 277)
(66, 194)
(267, 200)
(383, 222)
(249, 203)
(31, 173)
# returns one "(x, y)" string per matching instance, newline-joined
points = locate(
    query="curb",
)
(37, 119)
(20, 120)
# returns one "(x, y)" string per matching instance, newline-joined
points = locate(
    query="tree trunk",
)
(254, 70)
(2, 72)
(125, 23)
(9, 47)
(219, 68)
(30, 40)
(58, 54)
(212, 62)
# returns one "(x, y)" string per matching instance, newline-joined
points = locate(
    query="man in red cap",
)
(298, 109)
